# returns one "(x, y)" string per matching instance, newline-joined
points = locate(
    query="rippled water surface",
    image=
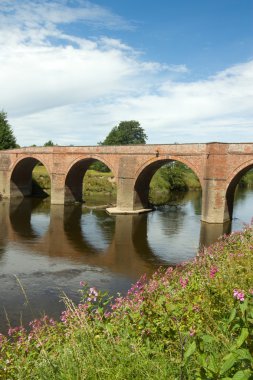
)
(45, 251)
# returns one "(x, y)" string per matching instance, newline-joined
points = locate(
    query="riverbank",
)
(189, 322)
(95, 182)
(166, 183)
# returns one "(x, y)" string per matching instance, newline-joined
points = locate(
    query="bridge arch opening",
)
(30, 178)
(159, 180)
(90, 178)
(243, 179)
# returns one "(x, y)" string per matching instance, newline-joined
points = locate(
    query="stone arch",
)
(75, 175)
(21, 183)
(144, 175)
(232, 182)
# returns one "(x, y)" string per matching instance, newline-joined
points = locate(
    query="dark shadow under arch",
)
(230, 193)
(74, 179)
(21, 181)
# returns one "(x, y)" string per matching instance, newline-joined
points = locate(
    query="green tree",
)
(7, 138)
(49, 143)
(126, 133)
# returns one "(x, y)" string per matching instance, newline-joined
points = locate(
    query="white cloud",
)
(73, 89)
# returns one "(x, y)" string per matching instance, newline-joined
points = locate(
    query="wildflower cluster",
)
(239, 295)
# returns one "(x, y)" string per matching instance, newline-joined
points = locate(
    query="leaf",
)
(244, 305)
(242, 375)
(232, 315)
(212, 365)
(190, 350)
(208, 338)
(230, 360)
(242, 337)
(243, 353)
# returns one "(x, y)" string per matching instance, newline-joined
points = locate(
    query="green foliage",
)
(126, 133)
(94, 182)
(98, 182)
(171, 177)
(99, 167)
(49, 143)
(7, 138)
(247, 179)
(194, 321)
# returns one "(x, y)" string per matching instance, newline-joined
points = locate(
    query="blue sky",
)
(71, 70)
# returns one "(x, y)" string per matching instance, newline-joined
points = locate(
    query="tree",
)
(49, 143)
(7, 138)
(126, 133)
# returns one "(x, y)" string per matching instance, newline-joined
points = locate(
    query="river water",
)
(45, 251)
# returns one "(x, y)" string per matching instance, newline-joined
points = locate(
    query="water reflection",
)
(23, 215)
(50, 249)
(210, 232)
(93, 230)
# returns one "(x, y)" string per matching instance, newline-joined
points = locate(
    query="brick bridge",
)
(218, 166)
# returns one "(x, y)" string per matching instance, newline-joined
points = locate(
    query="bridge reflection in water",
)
(49, 249)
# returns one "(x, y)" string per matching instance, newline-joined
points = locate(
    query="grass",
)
(190, 322)
(94, 182)
(103, 183)
(164, 183)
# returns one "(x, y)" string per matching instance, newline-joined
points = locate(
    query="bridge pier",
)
(57, 188)
(4, 184)
(128, 201)
(214, 203)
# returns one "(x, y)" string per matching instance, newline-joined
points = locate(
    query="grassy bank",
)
(194, 321)
(94, 183)
(165, 184)
(165, 181)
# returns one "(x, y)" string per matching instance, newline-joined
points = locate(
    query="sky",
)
(71, 70)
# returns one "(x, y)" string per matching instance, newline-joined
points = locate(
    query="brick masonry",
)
(219, 166)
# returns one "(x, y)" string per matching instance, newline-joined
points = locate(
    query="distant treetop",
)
(126, 133)
(49, 143)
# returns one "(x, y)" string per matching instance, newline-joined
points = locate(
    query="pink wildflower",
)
(183, 282)
(213, 272)
(15, 330)
(239, 295)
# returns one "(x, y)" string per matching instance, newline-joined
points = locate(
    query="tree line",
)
(126, 133)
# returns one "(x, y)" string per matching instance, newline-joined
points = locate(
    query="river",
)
(45, 251)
